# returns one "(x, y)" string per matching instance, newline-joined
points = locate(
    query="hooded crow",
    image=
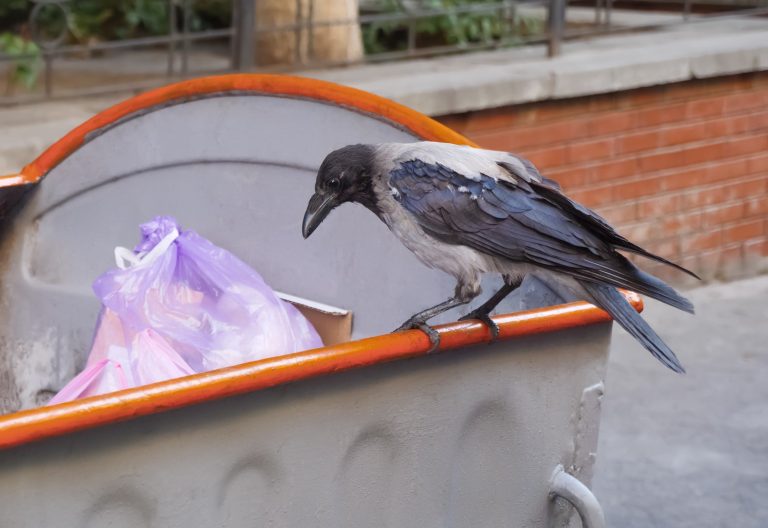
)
(469, 211)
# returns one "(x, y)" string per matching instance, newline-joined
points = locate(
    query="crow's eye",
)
(334, 184)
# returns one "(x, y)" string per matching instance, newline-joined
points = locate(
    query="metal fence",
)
(52, 56)
(56, 65)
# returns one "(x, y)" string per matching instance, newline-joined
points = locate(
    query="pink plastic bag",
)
(178, 305)
(148, 360)
(100, 377)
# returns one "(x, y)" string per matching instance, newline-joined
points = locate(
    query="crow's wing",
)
(523, 221)
(550, 189)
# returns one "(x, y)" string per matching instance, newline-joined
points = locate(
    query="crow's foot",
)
(412, 324)
(486, 319)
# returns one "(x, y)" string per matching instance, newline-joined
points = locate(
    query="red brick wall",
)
(680, 169)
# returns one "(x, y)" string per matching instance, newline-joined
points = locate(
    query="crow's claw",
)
(486, 319)
(434, 337)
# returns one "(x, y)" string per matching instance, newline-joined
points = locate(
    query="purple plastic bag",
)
(179, 305)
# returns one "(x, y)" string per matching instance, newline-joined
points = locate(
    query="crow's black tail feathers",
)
(633, 248)
(657, 289)
(593, 221)
(610, 300)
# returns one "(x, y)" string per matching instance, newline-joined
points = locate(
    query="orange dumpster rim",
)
(40, 423)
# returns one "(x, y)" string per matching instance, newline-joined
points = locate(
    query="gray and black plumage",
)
(469, 211)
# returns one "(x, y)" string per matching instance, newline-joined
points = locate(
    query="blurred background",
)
(653, 112)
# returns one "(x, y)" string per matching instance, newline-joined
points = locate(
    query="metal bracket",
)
(581, 498)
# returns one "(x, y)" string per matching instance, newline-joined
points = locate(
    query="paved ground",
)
(691, 451)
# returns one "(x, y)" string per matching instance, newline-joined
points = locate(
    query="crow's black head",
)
(344, 176)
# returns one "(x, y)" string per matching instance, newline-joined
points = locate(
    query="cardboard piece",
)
(333, 324)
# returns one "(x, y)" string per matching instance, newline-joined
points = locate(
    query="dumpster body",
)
(368, 433)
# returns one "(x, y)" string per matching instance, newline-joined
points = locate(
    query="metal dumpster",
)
(348, 435)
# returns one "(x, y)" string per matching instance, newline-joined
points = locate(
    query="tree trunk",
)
(337, 43)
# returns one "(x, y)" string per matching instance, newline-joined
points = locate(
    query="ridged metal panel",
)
(461, 439)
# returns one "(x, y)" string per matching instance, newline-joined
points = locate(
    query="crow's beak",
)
(318, 208)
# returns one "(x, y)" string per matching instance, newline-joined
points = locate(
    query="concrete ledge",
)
(462, 83)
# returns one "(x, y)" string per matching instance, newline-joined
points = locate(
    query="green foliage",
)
(381, 36)
(13, 12)
(117, 19)
(210, 14)
(460, 29)
(90, 20)
(26, 58)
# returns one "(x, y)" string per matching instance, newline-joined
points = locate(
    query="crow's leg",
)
(420, 320)
(464, 294)
(481, 312)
